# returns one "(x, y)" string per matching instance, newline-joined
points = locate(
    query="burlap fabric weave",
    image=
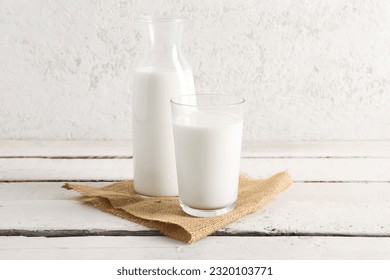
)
(165, 214)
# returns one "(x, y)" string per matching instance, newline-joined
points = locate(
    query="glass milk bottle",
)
(163, 73)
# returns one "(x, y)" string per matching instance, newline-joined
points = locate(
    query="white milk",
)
(154, 156)
(208, 146)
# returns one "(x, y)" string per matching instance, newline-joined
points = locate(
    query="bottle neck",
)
(164, 34)
(163, 45)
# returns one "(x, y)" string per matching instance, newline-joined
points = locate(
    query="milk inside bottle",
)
(163, 74)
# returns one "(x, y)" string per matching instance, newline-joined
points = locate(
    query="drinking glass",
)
(207, 138)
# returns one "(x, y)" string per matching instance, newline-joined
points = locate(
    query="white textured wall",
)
(310, 70)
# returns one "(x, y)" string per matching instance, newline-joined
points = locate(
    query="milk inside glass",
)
(208, 146)
(154, 155)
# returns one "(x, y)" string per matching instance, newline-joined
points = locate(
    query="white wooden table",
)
(337, 208)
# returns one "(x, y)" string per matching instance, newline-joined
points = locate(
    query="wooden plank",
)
(323, 209)
(28, 148)
(40, 191)
(355, 209)
(333, 149)
(262, 248)
(301, 169)
(43, 215)
(321, 169)
(65, 169)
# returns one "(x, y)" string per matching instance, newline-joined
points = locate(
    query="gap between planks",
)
(80, 233)
(60, 181)
(243, 157)
(115, 181)
(69, 157)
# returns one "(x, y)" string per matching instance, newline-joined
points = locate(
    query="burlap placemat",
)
(165, 214)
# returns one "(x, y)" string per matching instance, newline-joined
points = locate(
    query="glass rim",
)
(161, 19)
(240, 100)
